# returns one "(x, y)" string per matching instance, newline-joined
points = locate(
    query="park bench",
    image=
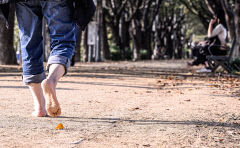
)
(215, 61)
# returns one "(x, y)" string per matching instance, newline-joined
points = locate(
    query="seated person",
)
(216, 38)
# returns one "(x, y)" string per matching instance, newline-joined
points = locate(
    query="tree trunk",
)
(228, 18)
(148, 40)
(46, 41)
(170, 51)
(85, 50)
(77, 55)
(237, 30)
(99, 19)
(117, 39)
(104, 43)
(136, 50)
(156, 52)
(124, 35)
(136, 35)
(7, 52)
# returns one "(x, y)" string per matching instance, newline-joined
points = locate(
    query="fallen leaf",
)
(146, 145)
(216, 85)
(59, 126)
(220, 120)
(136, 108)
(221, 140)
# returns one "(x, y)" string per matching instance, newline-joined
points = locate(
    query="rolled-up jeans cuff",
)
(38, 78)
(65, 61)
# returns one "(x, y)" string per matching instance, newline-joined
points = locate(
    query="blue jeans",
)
(63, 36)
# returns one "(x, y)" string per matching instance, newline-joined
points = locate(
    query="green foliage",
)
(16, 40)
(194, 26)
(116, 54)
(143, 54)
(129, 53)
(235, 65)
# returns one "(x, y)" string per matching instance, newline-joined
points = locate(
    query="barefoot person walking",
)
(63, 33)
(62, 17)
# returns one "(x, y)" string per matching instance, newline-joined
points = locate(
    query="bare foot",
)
(53, 107)
(39, 113)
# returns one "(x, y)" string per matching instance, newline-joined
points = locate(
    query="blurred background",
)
(136, 30)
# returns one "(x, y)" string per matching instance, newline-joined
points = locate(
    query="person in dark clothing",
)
(63, 29)
(63, 34)
(216, 40)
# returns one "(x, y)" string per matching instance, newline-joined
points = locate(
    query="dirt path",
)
(125, 104)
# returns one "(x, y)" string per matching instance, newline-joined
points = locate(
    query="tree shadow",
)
(10, 74)
(25, 87)
(153, 122)
(141, 72)
(118, 70)
(153, 87)
(108, 84)
(10, 80)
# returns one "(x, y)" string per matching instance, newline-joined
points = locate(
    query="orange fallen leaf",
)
(59, 126)
(221, 120)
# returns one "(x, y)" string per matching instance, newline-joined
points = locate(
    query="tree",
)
(232, 16)
(142, 22)
(104, 38)
(170, 31)
(114, 12)
(7, 54)
(200, 9)
(46, 41)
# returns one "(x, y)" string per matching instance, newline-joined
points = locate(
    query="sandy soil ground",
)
(125, 105)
